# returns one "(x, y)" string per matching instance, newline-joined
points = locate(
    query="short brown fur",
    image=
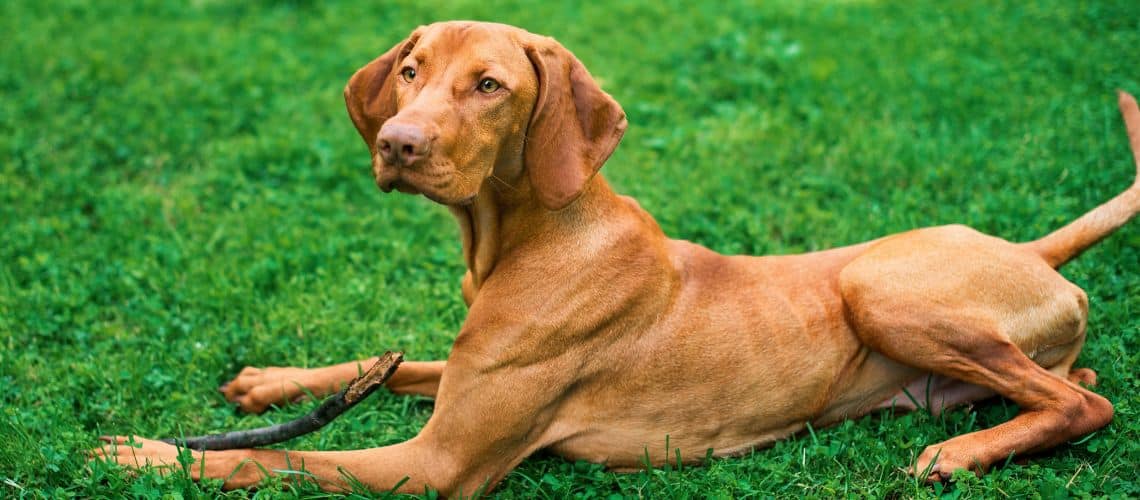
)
(592, 335)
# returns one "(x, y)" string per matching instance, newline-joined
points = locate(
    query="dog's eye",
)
(488, 85)
(409, 74)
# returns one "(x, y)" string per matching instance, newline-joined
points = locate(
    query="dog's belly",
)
(933, 393)
(628, 449)
(729, 412)
(624, 441)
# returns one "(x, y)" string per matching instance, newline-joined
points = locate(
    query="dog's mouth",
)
(397, 181)
(398, 185)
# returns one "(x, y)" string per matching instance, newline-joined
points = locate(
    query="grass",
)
(182, 194)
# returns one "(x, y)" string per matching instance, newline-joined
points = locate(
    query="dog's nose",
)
(403, 145)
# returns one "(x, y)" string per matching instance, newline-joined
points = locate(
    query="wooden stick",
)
(331, 408)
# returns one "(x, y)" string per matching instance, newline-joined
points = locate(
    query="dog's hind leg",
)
(255, 389)
(962, 305)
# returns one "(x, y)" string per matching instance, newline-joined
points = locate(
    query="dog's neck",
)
(479, 230)
(499, 206)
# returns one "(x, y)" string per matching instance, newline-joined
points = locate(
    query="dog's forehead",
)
(473, 42)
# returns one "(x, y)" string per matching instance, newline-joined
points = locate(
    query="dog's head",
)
(458, 102)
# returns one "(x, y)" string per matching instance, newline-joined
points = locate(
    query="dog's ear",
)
(573, 129)
(370, 94)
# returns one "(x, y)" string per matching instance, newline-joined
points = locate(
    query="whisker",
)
(504, 183)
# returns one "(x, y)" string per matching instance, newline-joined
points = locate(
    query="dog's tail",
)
(1066, 243)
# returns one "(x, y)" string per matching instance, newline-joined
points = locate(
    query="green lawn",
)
(183, 194)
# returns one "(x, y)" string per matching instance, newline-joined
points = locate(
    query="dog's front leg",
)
(378, 469)
(450, 468)
(487, 419)
(254, 390)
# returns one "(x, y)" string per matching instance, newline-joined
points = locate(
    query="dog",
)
(594, 336)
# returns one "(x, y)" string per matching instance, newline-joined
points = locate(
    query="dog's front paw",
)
(135, 452)
(255, 389)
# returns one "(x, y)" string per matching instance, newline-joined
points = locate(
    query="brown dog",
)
(593, 335)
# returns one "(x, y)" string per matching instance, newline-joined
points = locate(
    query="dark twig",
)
(355, 392)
